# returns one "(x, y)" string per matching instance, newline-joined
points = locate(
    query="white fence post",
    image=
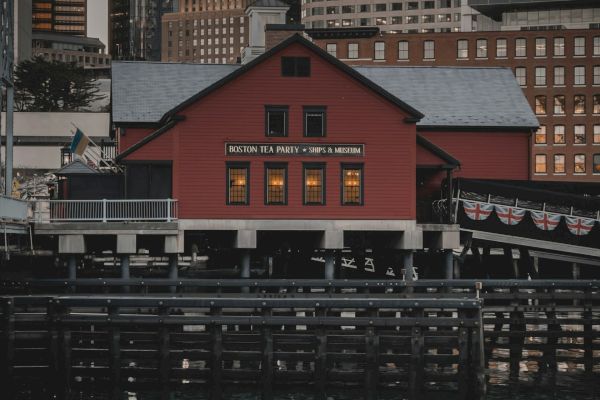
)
(168, 210)
(103, 210)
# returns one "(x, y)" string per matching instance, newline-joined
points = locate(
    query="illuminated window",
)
(579, 104)
(314, 184)
(238, 175)
(559, 163)
(579, 134)
(540, 163)
(540, 105)
(579, 163)
(540, 135)
(596, 138)
(276, 183)
(352, 186)
(596, 164)
(276, 120)
(559, 134)
(596, 104)
(315, 121)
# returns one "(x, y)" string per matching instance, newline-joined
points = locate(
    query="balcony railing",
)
(104, 210)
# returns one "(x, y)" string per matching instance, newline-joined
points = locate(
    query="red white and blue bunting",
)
(478, 211)
(509, 215)
(545, 221)
(580, 226)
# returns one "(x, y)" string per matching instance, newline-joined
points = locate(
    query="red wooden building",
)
(298, 143)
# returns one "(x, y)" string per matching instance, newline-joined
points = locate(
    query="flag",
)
(545, 221)
(79, 143)
(477, 211)
(509, 215)
(580, 226)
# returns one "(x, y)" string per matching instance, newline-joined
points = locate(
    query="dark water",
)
(528, 386)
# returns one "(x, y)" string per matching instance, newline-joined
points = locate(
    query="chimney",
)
(260, 14)
(275, 33)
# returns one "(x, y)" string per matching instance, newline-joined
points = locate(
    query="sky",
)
(97, 19)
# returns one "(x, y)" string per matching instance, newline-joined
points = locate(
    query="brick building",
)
(205, 32)
(559, 71)
(61, 16)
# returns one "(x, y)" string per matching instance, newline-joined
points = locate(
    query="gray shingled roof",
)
(448, 96)
(457, 96)
(145, 91)
(76, 167)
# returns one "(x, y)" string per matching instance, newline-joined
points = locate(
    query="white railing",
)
(104, 210)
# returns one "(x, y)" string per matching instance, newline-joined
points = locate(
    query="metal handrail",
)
(104, 210)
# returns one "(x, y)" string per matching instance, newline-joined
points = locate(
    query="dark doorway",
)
(146, 180)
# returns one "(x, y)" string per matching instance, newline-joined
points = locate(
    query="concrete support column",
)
(329, 265)
(576, 271)
(449, 264)
(409, 269)
(125, 266)
(245, 264)
(72, 266)
(173, 266)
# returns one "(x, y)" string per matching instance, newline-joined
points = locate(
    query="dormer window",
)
(295, 66)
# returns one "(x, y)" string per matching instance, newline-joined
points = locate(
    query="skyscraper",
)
(135, 28)
(60, 16)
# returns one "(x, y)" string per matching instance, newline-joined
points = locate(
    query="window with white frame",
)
(540, 76)
(559, 76)
(379, 51)
(482, 48)
(579, 75)
(429, 49)
(540, 47)
(332, 49)
(501, 48)
(352, 50)
(521, 47)
(521, 75)
(559, 46)
(579, 134)
(403, 50)
(462, 48)
(579, 46)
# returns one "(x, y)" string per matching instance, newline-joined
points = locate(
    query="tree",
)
(42, 85)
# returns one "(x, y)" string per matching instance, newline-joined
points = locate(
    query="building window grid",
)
(501, 48)
(579, 46)
(482, 48)
(521, 75)
(540, 164)
(462, 49)
(579, 163)
(579, 134)
(579, 104)
(521, 47)
(596, 72)
(353, 50)
(379, 51)
(314, 184)
(428, 49)
(596, 104)
(276, 184)
(559, 76)
(352, 184)
(559, 105)
(540, 47)
(559, 46)
(596, 49)
(579, 75)
(315, 121)
(237, 187)
(540, 135)
(559, 163)
(403, 50)
(559, 134)
(540, 105)
(540, 76)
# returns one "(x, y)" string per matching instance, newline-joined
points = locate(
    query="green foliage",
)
(42, 85)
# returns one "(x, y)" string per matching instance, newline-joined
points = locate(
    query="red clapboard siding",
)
(486, 155)
(236, 113)
(132, 136)
(426, 157)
